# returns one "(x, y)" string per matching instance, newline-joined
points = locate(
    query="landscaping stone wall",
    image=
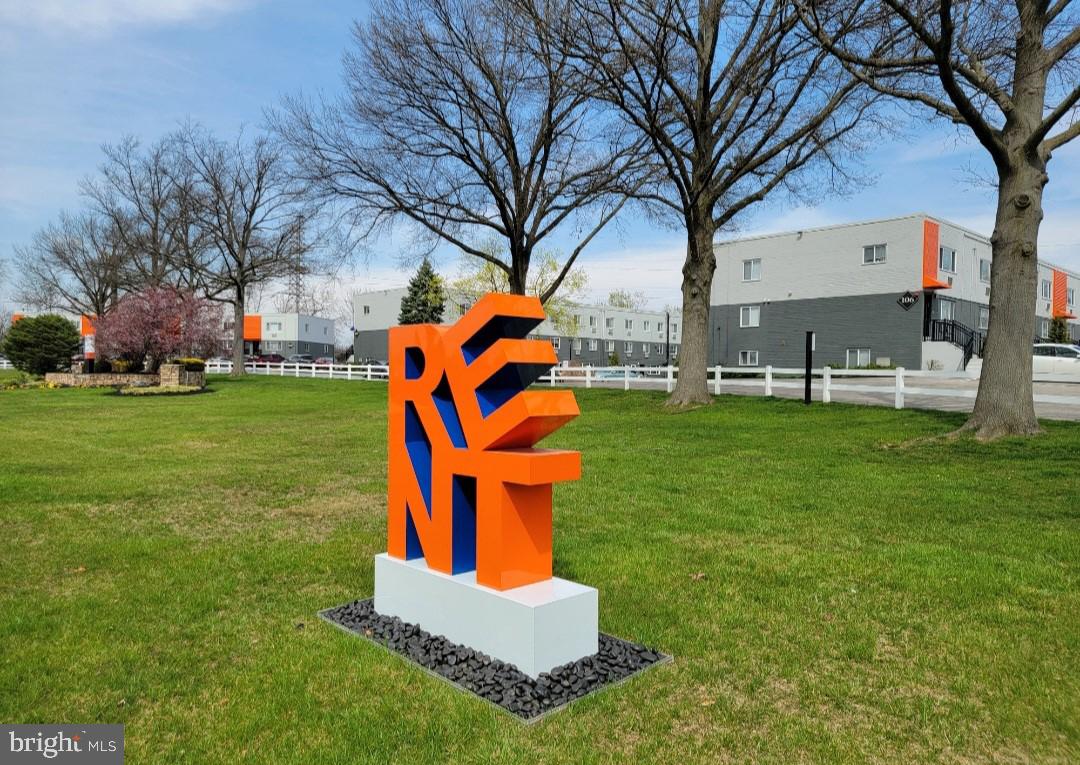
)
(78, 380)
(175, 374)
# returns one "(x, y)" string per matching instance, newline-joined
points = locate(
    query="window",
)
(593, 344)
(945, 309)
(1044, 328)
(659, 349)
(645, 349)
(1045, 289)
(577, 345)
(748, 358)
(628, 347)
(947, 259)
(858, 357)
(326, 330)
(984, 317)
(556, 342)
(873, 253)
(629, 325)
(1070, 295)
(273, 326)
(751, 270)
(674, 327)
(307, 327)
(645, 325)
(750, 316)
(367, 310)
(611, 346)
(610, 324)
(984, 270)
(674, 351)
(1044, 350)
(592, 321)
(1067, 353)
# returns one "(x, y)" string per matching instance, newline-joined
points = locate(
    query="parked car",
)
(614, 374)
(323, 361)
(1056, 359)
(270, 358)
(300, 358)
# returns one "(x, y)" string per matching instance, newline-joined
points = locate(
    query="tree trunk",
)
(1004, 405)
(238, 333)
(692, 387)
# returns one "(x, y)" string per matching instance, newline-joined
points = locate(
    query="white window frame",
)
(941, 259)
(645, 325)
(1044, 325)
(592, 321)
(1046, 289)
(877, 252)
(629, 324)
(749, 316)
(611, 346)
(941, 303)
(989, 270)
(674, 351)
(577, 345)
(1070, 296)
(628, 347)
(674, 327)
(659, 349)
(367, 310)
(746, 360)
(754, 264)
(594, 344)
(645, 349)
(858, 357)
(556, 342)
(984, 317)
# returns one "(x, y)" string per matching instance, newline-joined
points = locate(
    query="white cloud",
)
(104, 15)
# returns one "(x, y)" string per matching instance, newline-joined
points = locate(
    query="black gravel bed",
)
(496, 681)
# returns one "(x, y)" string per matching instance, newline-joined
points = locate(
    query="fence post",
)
(626, 378)
(768, 379)
(348, 371)
(551, 376)
(716, 380)
(826, 382)
(588, 376)
(670, 377)
(899, 404)
(367, 373)
(331, 371)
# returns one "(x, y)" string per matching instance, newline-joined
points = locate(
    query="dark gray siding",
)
(371, 344)
(876, 322)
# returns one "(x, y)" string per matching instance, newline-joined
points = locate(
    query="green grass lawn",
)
(828, 596)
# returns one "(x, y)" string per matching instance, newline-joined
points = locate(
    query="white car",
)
(1056, 359)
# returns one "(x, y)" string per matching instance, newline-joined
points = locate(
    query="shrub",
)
(156, 324)
(160, 390)
(41, 344)
(120, 366)
(190, 364)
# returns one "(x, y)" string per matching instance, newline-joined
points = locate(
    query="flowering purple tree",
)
(156, 324)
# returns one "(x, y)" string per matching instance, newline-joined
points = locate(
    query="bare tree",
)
(464, 119)
(246, 205)
(74, 264)
(144, 193)
(737, 102)
(1008, 72)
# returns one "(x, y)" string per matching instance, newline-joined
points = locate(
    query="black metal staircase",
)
(969, 340)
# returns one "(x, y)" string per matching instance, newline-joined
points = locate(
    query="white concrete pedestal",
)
(536, 627)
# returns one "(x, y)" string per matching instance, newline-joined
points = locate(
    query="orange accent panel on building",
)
(930, 281)
(253, 326)
(468, 489)
(16, 316)
(1060, 296)
(86, 326)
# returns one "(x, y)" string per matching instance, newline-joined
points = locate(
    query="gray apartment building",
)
(638, 338)
(912, 291)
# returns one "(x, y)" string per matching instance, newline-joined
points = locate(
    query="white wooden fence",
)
(5, 364)
(824, 381)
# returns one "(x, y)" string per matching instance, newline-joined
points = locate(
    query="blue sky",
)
(78, 73)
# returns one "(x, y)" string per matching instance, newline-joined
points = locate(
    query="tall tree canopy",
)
(463, 118)
(1008, 72)
(737, 102)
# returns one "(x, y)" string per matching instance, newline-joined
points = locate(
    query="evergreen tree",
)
(40, 344)
(1059, 330)
(425, 300)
